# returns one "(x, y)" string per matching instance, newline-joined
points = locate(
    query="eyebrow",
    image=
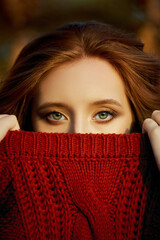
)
(107, 101)
(58, 104)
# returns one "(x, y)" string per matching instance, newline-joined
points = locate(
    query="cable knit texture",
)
(78, 186)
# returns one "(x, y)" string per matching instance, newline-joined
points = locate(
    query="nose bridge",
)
(79, 123)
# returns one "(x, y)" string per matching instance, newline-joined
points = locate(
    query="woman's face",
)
(86, 96)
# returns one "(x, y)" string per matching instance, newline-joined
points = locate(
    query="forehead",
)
(84, 79)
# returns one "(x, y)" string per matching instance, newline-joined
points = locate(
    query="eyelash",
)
(112, 113)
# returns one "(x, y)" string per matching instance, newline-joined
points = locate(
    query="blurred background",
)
(23, 20)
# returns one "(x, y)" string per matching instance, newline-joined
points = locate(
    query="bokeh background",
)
(23, 20)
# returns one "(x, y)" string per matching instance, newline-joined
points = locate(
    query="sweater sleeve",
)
(10, 217)
(5, 178)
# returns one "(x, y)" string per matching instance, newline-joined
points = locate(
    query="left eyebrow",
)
(107, 101)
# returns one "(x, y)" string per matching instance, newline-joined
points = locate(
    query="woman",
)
(84, 78)
(139, 72)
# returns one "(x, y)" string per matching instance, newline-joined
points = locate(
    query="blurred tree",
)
(150, 30)
(22, 20)
(16, 13)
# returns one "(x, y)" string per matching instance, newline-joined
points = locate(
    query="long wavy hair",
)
(139, 71)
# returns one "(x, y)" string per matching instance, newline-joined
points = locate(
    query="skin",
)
(151, 126)
(91, 80)
(77, 86)
(8, 122)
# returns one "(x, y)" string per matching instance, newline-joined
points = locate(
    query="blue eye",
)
(104, 115)
(56, 116)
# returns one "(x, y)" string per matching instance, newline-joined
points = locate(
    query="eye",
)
(56, 116)
(104, 115)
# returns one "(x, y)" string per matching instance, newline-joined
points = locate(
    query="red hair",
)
(139, 71)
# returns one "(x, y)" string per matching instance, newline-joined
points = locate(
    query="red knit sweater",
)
(78, 186)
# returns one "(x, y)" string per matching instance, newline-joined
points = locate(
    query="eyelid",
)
(112, 113)
(48, 113)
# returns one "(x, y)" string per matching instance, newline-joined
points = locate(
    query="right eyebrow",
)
(52, 104)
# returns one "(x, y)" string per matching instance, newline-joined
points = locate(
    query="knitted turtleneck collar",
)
(76, 144)
(78, 186)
